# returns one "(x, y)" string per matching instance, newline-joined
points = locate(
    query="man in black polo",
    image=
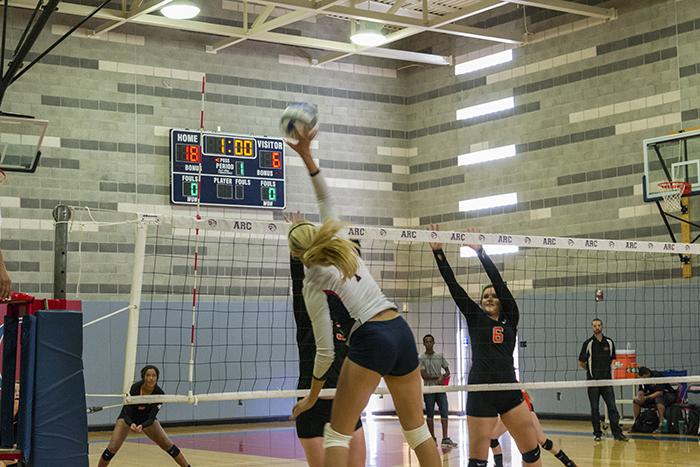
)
(597, 354)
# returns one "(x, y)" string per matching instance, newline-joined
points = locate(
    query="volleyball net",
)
(211, 304)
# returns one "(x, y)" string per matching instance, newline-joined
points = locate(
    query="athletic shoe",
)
(448, 442)
(621, 437)
(597, 438)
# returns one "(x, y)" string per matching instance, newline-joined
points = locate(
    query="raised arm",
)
(459, 295)
(508, 305)
(323, 196)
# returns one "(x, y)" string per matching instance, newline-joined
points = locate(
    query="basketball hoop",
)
(671, 193)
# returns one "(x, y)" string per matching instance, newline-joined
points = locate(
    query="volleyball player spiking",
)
(550, 445)
(310, 424)
(142, 419)
(381, 345)
(493, 328)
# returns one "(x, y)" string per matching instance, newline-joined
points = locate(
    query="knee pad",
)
(531, 456)
(108, 455)
(477, 463)
(418, 436)
(174, 451)
(333, 439)
(494, 443)
(548, 444)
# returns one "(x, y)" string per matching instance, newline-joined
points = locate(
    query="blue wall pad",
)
(9, 367)
(60, 418)
(25, 414)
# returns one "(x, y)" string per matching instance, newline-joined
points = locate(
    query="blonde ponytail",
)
(322, 246)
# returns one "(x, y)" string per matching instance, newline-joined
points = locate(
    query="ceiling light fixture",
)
(368, 34)
(180, 9)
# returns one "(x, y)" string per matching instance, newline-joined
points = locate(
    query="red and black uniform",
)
(493, 341)
(311, 422)
(143, 415)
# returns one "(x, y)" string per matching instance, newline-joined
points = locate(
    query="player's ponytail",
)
(323, 247)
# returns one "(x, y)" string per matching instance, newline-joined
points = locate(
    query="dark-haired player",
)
(142, 419)
(493, 327)
(310, 424)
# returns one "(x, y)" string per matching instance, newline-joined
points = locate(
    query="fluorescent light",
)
(368, 34)
(180, 9)
(488, 202)
(466, 252)
(484, 62)
(486, 108)
(487, 155)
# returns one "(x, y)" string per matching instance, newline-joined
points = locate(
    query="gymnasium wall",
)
(586, 94)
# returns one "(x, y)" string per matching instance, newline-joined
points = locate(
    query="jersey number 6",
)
(497, 335)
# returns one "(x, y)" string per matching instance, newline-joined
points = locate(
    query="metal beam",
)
(262, 17)
(464, 31)
(472, 10)
(395, 7)
(570, 7)
(149, 7)
(412, 22)
(280, 21)
(233, 32)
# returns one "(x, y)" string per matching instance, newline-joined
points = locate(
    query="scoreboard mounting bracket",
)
(236, 171)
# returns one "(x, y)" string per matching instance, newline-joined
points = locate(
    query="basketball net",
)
(671, 193)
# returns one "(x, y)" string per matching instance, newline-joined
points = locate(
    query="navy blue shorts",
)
(310, 424)
(386, 347)
(492, 403)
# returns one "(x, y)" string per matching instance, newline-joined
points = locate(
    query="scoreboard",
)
(237, 171)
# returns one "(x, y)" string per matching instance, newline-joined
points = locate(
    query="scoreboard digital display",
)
(238, 171)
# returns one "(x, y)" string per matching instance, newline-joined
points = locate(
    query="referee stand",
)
(50, 427)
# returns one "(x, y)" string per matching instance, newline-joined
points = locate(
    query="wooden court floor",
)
(262, 445)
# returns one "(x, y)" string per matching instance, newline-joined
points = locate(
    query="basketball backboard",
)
(672, 157)
(20, 142)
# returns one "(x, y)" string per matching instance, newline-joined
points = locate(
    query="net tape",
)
(267, 228)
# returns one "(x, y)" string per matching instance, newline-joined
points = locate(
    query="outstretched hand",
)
(435, 245)
(474, 246)
(303, 144)
(293, 217)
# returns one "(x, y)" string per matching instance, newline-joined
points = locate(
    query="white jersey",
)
(361, 295)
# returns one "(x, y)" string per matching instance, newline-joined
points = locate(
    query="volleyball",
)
(298, 118)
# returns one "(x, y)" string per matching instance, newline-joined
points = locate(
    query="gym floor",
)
(275, 444)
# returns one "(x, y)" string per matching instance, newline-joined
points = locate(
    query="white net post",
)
(132, 333)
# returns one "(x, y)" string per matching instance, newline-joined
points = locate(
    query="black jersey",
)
(342, 324)
(143, 415)
(598, 355)
(493, 341)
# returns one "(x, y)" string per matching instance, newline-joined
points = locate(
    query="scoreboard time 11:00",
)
(237, 171)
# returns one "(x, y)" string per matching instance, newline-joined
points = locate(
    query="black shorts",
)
(387, 347)
(310, 423)
(492, 403)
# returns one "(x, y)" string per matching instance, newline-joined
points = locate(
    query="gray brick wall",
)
(112, 155)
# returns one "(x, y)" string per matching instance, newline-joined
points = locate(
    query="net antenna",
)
(21, 136)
